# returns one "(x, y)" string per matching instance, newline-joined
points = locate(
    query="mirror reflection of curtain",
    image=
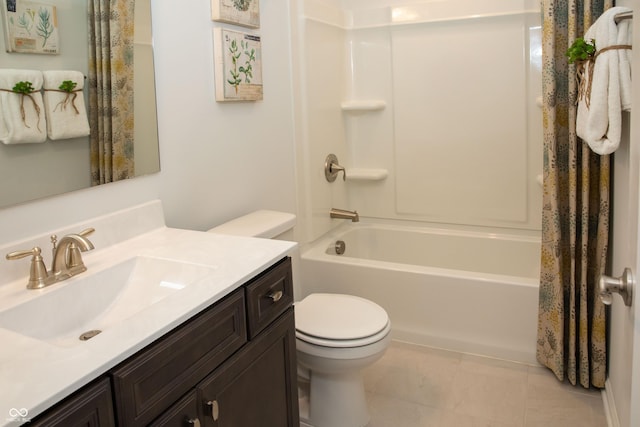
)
(110, 83)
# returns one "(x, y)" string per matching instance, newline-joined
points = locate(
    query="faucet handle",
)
(38, 271)
(86, 232)
(332, 168)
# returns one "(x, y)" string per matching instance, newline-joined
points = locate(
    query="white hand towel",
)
(600, 124)
(624, 58)
(17, 129)
(66, 112)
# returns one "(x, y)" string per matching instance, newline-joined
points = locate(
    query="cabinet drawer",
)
(159, 375)
(88, 407)
(269, 296)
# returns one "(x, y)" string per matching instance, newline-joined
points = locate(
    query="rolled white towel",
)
(23, 117)
(66, 111)
(599, 121)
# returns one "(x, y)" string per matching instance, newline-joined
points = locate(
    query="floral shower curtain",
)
(110, 84)
(575, 216)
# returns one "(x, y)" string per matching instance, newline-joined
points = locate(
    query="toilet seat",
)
(344, 343)
(340, 321)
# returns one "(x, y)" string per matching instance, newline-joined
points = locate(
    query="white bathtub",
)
(459, 290)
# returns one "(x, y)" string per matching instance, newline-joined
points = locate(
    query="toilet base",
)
(340, 401)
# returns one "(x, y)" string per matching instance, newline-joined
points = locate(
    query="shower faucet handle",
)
(332, 168)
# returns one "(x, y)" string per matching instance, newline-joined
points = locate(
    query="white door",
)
(623, 384)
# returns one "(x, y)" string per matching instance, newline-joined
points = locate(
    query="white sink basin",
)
(100, 300)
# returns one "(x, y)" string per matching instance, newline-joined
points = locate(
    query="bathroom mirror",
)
(33, 171)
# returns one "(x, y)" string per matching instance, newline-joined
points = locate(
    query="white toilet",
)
(336, 337)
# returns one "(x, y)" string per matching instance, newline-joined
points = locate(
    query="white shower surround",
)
(459, 133)
(461, 149)
(460, 290)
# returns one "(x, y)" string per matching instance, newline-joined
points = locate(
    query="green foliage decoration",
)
(68, 86)
(581, 50)
(23, 87)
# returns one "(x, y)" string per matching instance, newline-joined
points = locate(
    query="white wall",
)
(218, 160)
(221, 159)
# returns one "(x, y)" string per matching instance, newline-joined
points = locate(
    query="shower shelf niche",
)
(363, 105)
(360, 174)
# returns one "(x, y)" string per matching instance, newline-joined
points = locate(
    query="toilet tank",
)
(262, 223)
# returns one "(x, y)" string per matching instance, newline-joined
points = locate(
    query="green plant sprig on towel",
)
(581, 50)
(67, 86)
(24, 88)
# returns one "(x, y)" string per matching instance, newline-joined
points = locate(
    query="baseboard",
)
(467, 346)
(609, 406)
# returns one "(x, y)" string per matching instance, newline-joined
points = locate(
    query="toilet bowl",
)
(337, 336)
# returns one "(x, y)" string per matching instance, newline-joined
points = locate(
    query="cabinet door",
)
(259, 386)
(184, 413)
(89, 407)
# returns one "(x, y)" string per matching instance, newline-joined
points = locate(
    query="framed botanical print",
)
(239, 12)
(238, 65)
(29, 27)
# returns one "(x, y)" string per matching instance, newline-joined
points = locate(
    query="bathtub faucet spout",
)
(344, 214)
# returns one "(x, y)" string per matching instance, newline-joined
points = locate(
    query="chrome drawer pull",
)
(215, 410)
(275, 296)
(195, 422)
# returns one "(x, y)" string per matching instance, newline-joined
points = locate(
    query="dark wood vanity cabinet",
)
(90, 406)
(234, 364)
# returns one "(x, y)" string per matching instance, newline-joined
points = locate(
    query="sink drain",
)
(89, 334)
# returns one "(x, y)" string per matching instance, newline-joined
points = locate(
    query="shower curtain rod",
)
(622, 16)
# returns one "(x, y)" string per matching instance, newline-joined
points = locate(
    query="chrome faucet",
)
(67, 260)
(344, 214)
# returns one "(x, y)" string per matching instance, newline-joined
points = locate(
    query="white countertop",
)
(34, 374)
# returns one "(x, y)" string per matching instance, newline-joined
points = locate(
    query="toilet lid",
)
(339, 317)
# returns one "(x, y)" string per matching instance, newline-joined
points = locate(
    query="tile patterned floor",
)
(414, 386)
